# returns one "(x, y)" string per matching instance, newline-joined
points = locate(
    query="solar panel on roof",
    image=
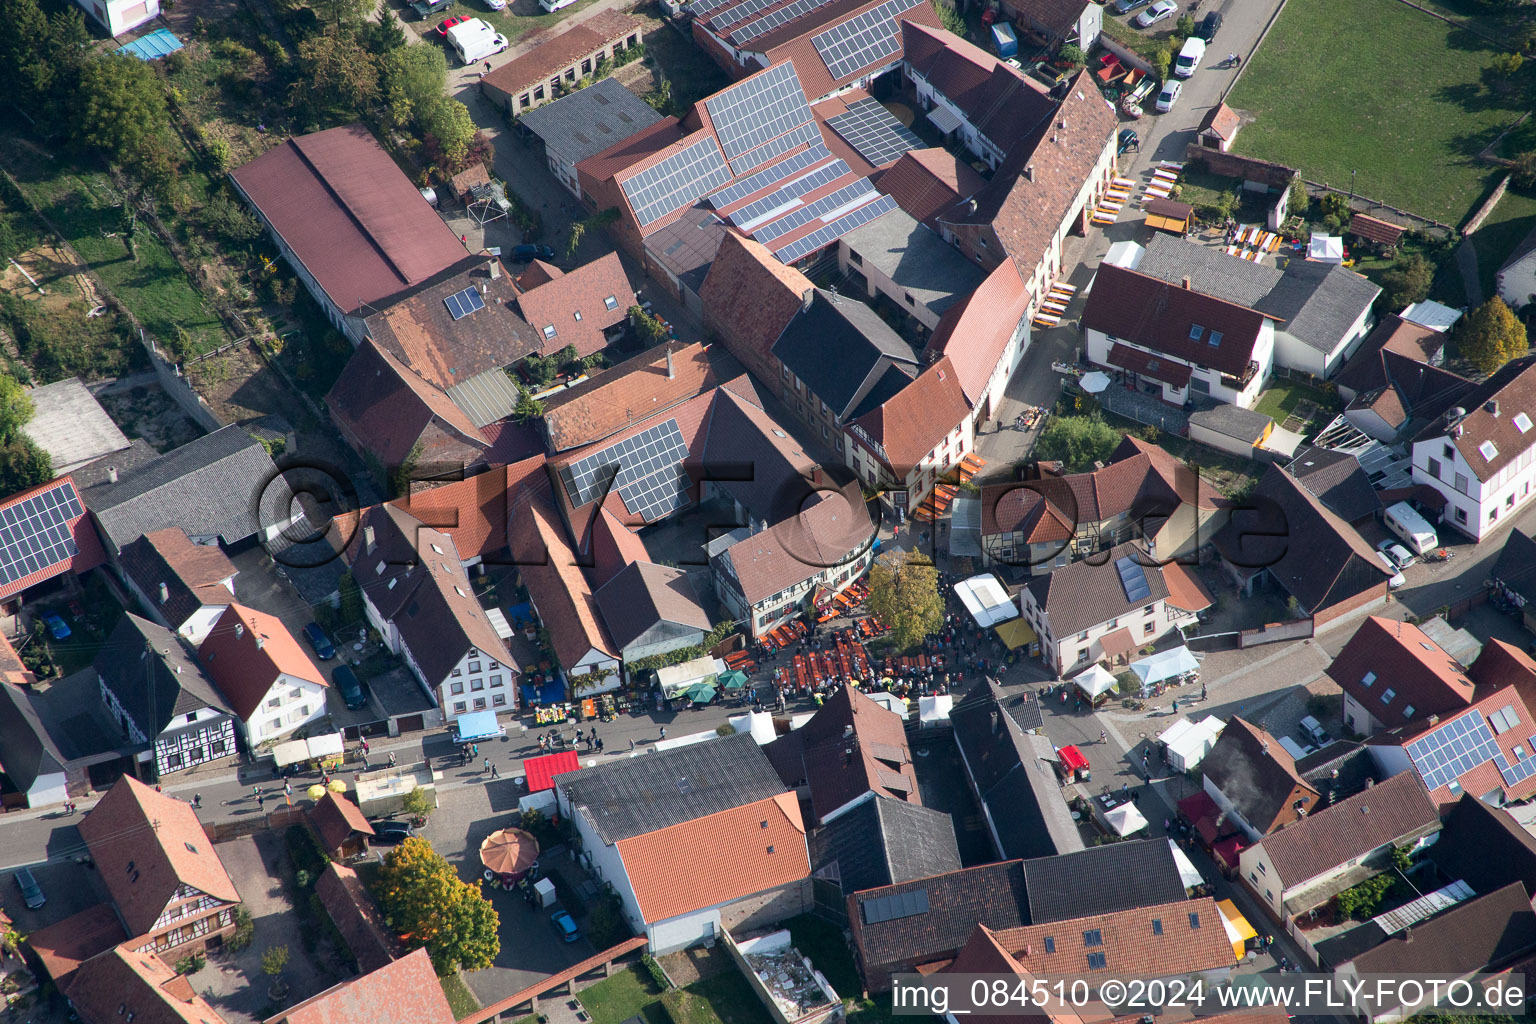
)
(629, 467)
(762, 179)
(1133, 577)
(773, 19)
(895, 906)
(787, 196)
(1455, 749)
(461, 304)
(827, 208)
(741, 12)
(867, 39)
(677, 181)
(874, 132)
(824, 236)
(36, 534)
(777, 147)
(763, 107)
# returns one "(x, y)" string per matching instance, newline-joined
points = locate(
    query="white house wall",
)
(48, 789)
(1517, 284)
(678, 932)
(1476, 507)
(491, 686)
(292, 711)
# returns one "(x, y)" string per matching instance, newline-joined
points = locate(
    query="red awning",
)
(541, 771)
(1072, 758)
(1227, 850)
(1148, 365)
(1118, 643)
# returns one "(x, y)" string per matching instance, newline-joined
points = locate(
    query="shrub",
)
(605, 925)
(191, 963)
(654, 969)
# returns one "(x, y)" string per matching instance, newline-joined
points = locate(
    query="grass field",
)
(1378, 88)
(460, 999)
(1504, 229)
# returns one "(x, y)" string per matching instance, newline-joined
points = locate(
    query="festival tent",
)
(1239, 931)
(933, 711)
(1188, 873)
(986, 600)
(1186, 742)
(1125, 820)
(1097, 680)
(1165, 665)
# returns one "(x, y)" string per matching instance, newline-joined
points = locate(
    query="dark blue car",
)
(524, 253)
(350, 688)
(319, 641)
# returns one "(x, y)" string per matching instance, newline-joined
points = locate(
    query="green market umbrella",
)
(701, 693)
(733, 680)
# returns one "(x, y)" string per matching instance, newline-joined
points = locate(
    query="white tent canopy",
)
(891, 702)
(758, 723)
(673, 679)
(1326, 248)
(986, 600)
(1188, 873)
(1188, 741)
(935, 710)
(1165, 665)
(1095, 681)
(1125, 820)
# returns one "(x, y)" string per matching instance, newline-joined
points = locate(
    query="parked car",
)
(388, 833)
(496, 5)
(1190, 56)
(526, 252)
(349, 686)
(1129, 140)
(564, 925)
(426, 8)
(1169, 96)
(31, 892)
(1397, 579)
(1127, 6)
(1209, 26)
(57, 627)
(1401, 557)
(319, 641)
(1156, 13)
(450, 21)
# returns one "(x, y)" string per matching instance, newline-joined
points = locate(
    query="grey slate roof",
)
(1337, 480)
(1317, 301)
(913, 256)
(26, 749)
(650, 602)
(634, 796)
(1102, 880)
(208, 487)
(71, 426)
(990, 894)
(1232, 421)
(841, 349)
(1011, 770)
(883, 841)
(1484, 847)
(180, 685)
(588, 121)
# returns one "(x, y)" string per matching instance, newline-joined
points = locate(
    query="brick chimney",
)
(1186, 282)
(671, 370)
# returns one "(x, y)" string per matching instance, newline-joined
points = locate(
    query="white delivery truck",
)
(1412, 528)
(1189, 57)
(474, 40)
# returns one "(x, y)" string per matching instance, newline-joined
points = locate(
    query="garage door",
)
(411, 723)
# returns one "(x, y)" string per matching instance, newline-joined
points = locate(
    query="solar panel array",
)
(461, 304)
(760, 180)
(35, 534)
(773, 19)
(676, 181)
(824, 236)
(1521, 770)
(859, 42)
(1133, 577)
(703, 8)
(789, 196)
(645, 469)
(742, 11)
(763, 107)
(775, 148)
(874, 131)
(1454, 749)
(828, 206)
(895, 907)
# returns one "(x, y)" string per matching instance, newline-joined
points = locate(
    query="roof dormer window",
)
(549, 331)
(1214, 340)
(1368, 679)
(611, 302)
(1195, 332)
(1488, 450)
(578, 315)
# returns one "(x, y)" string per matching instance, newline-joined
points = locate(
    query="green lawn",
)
(724, 999)
(624, 995)
(1282, 397)
(1504, 229)
(1378, 88)
(460, 998)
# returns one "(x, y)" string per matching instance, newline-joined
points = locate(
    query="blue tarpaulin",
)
(153, 46)
(552, 692)
(477, 725)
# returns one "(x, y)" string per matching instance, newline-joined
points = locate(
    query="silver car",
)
(1156, 13)
(1169, 96)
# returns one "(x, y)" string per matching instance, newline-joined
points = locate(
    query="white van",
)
(1189, 57)
(554, 5)
(1413, 528)
(474, 40)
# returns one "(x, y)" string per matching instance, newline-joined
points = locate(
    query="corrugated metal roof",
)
(485, 398)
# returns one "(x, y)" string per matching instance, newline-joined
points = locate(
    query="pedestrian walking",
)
(1103, 736)
(256, 792)
(474, 750)
(495, 772)
(599, 746)
(663, 734)
(631, 746)
(197, 799)
(365, 746)
(487, 66)
(1125, 789)
(487, 765)
(1175, 705)
(391, 758)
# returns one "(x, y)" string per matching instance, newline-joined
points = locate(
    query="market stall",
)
(476, 727)
(1096, 684)
(1239, 931)
(1186, 742)
(1177, 663)
(320, 753)
(934, 711)
(986, 599)
(1125, 820)
(1016, 633)
(674, 680)
(1188, 873)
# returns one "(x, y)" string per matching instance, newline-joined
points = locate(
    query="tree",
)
(1299, 200)
(417, 804)
(344, 11)
(1506, 64)
(1491, 336)
(25, 71)
(950, 18)
(382, 35)
(1161, 58)
(1524, 170)
(424, 901)
(417, 75)
(448, 122)
(10, 244)
(649, 329)
(1076, 441)
(1072, 54)
(274, 960)
(1185, 26)
(123, 112)
(336, 79)
(528, 407)
(1408, 281)
(904, 593)
(16, 407)
(573, 243)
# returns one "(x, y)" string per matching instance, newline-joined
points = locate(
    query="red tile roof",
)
(1000, 101)
(749, 297)
(335, 819)
(538, 272)
(474, 511)
(1399, 655)
(554, 55)
(349, 214)
(1148, 364)
(1160, 316)
(926, 182)
(800, 546)
(612, 546)
(1391, 812)
(718, 858)
(245, 653)
(851, 746)
(406, 990)
(541, 771)
(1484, 776)
(621, 396)
(356, 916)
(641, 146)
(65, 945)
(556, 584)
(1366, 370)
(1374, 229)
(1221, 121)
(120, 982)
(88, 555)
(1500, 665)
(974, 331)
(919, 417)
(794, 42)
(389, 409)
(146, 846)
(1129, 942)
(1513, 388)
(1185, 589)
(577, 306)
